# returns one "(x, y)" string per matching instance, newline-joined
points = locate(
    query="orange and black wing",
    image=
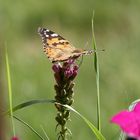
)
(56, 47)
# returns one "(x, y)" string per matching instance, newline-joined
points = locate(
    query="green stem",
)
(96, 65)
(10, 91)
(98, 100)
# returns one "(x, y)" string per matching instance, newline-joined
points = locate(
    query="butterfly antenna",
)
(86, 44)
(92, 51)
(88, 52)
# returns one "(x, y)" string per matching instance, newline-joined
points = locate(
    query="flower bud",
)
(56, 68)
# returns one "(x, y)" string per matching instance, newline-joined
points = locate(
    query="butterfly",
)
(59, 49)
(129, 121)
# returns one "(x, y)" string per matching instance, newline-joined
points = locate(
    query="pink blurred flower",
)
(129, 121)
(15, 138)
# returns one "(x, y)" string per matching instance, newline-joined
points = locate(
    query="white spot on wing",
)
(46, 35)
(53, 35)
(62, 41)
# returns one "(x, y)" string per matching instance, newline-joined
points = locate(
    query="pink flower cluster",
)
(66, 71)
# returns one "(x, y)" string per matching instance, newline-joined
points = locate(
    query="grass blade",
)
(31, 128)
(33, 102)
(45, 133)
(96, 67)
(97, 133)
(29, 103)
(9, 90)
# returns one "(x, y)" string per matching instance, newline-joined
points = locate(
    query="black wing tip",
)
(40, 30)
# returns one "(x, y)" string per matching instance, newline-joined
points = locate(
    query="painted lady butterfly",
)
(59, 49)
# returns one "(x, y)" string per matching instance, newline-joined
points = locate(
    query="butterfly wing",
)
(56, 47)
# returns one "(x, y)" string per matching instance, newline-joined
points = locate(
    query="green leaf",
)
(33, 102)
(97, 133)
(29, 103)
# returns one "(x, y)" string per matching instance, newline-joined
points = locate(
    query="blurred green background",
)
(117, 30)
